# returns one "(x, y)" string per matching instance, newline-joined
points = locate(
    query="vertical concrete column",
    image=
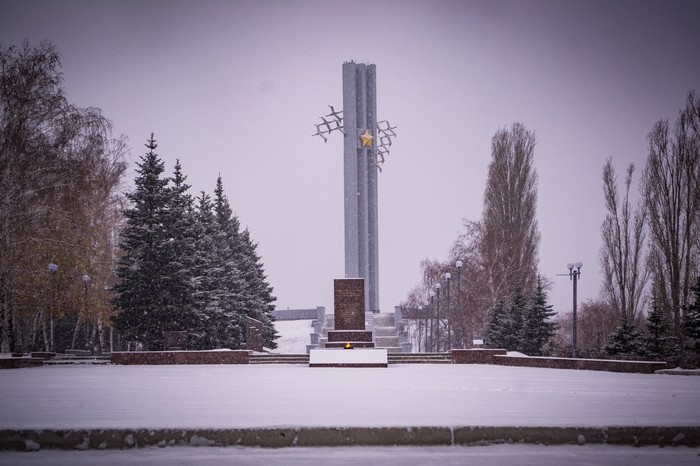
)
(372, 193)
(360, 174)
(352, 239)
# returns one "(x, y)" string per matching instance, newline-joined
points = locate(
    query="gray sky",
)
(234, 87)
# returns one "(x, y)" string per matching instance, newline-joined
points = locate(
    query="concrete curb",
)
(83, 439)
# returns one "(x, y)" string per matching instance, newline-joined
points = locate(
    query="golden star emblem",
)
(366, 139)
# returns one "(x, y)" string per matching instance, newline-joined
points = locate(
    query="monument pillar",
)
(360, 175)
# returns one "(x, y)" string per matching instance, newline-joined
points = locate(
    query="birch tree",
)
(60, 170)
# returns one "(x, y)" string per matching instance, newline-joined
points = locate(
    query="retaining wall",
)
(181, 357)
(500, 357)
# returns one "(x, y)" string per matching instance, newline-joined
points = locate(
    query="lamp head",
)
(459, 264)
(52, 267)
(438, 286)
(570, 266)
(448, 275)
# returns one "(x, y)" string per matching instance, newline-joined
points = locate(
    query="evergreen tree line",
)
(522, 323)
(657, 340)
(187, 265)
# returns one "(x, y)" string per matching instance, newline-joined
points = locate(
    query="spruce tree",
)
(259, 291)
(538, 329)
(625, 340)
(253, 294)
(691, 318)
(141, 293)
(657, 341)
(217, 283)
(495, 331)
(513, 324)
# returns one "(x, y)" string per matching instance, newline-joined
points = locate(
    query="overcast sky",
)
(235, 87)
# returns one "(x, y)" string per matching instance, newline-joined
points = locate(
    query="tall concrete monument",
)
(366, 142)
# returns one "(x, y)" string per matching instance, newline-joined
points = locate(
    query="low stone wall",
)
(18, 362)
(294, 437)
(644, 367)
(476, 356)
(181, 357)
(500, 357)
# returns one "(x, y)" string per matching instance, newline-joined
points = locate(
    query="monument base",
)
(359, 357)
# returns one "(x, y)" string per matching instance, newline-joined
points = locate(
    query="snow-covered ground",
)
(294, 336)
(220, 396)
(492, 455)
(228, 396)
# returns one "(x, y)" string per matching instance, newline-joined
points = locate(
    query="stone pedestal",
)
(349, 315)
(349, 330)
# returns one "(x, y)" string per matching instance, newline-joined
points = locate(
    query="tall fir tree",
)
(217, 283)
(495, 332)
(259, 291)
(180, 251)
(538, 329)
(513, 324)
(691, 318)
(255, 294)
(142, 293)
(657, 341)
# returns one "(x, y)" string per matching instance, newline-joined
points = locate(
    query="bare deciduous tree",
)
(621, 255)
(670, 187)
(510, 240)
(59, 172)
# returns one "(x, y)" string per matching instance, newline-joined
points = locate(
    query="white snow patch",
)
(31, 445)
(197, 441)
(294, 336)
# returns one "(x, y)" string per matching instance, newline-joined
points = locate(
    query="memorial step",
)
(420, 358)
(385, 332)
(386, 342)
(274, 358)
(384, 320)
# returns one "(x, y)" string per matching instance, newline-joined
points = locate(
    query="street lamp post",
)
(86, 280)
(52, 268)
(458, 330)
(431, 344)
(574, 275)
(425, 325)
(437, 320)
(448, 276)
(420, 313)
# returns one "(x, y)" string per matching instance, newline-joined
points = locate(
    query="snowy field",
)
(229, 396)
(220, 396)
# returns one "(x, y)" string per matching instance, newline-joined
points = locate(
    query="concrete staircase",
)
(273, 358)
(419, 358)
(385, 334)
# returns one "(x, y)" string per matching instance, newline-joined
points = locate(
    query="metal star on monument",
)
(366, 139)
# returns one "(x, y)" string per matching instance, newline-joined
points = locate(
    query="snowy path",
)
(492, 455)
(296, 395)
